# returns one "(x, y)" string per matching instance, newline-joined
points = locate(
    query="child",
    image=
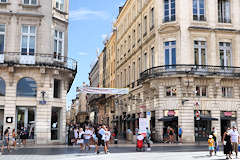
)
(211, 144)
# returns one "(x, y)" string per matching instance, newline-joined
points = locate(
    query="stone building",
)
(35, 72)
(178, 57)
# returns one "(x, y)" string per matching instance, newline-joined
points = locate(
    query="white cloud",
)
(82, 53)
(104, 36)
(83, 14)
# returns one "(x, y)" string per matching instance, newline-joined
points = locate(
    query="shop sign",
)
(9, 119)
(228, 114)
(171, 113)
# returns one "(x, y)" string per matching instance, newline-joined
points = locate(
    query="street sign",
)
(197, 115)
(148, 114)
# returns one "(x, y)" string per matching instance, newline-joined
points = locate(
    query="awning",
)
(208, 118)
(228, 118)
(168, 119)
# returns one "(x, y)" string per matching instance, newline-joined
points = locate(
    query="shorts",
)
(235, 146)
(180, 136)
(211, 148)
(86, 141)
(101, 142)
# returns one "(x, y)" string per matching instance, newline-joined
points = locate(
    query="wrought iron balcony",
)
(200, 70)
(37, 59)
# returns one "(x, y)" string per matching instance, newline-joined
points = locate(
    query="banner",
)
(143, 125)
(94, 90)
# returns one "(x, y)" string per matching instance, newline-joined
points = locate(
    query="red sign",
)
(198, 115)
(171, 113)
(142, 106)
(228, 114)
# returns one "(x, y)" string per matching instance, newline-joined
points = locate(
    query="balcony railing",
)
(37, 59)
(201, 70)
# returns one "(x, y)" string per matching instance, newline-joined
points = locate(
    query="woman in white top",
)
(107, 138)
(75, 134)
(81, 139)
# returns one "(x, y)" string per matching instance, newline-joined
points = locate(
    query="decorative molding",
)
(169, 28)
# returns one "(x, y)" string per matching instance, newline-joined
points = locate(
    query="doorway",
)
(55, 123)
(224, 124)
(172, 123)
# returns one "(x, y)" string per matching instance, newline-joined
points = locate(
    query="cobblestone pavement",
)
(117, 153)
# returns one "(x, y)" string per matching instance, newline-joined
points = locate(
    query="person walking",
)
(75, 135)
(211, 144)
(171, 135)
(227, 146)
(87, 137)
(214, 134)
(81, 138)
(180, 132)
(107, 138)
(235, 140)
(101, 138)
(5, 141)
(148, 139)
(14, 138)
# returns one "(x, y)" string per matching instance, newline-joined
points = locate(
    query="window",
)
(30, 2)
(139, 2)
(225, 49)
(2, 38)
(145, 26)
(2, 87)
(125, 77)
(26, 87)
(58, 45)
(139, 32)
(152, 19)
(170, 54)
(227, 92)
(57, 88)
(171, 91)
(145, 61)
(198, 10)
(129, 75)
(28, 40)
(139, 66)
(169, 10)
(153, 57)
(60, 5)
(224, 13)
(201, 91)
(200, 52)
(134, 74)
(3, 1)
(134, 38)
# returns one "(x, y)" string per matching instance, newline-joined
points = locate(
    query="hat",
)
(210, 136)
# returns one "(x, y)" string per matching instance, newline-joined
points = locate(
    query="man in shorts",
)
(101, 138)
(235, 139)
(87, 136)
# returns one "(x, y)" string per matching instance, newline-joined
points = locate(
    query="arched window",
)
(2, 87)
(26, 87)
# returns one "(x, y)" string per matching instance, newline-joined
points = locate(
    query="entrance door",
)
(55, 123)
(224, 124)
(26, 119)
(173, 124)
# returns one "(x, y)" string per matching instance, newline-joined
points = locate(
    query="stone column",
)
(159, 124)
(217, 124)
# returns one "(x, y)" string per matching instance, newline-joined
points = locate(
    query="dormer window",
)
(60, 5)
(30, 2)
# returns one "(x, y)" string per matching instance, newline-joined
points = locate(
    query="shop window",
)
(55, 123)
(227, 92)
(171, 91)
(26, 87)
(57, 88)
(2, 87)
(201, 91)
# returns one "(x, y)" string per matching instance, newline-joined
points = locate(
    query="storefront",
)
(228, 119)
(170, 120)
(203, 125)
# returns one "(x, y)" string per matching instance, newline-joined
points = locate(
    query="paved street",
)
(117, 153)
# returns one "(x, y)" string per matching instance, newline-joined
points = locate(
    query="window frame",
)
(30, 3)
(201, 91)
(57, 38)
(199, 48)
(58, 7)
(168, 18)
(28, 35)
(172, 92)
(198, 15)
(225, 49)
(1, 1)
(170, 47)
(226, 91)
(152, 18)
(153, 56)
(4, 38)
(57, 95)
(222, 13)
(4, 87)
(19, 94)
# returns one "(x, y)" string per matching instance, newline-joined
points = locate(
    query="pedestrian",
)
(235, 140)
(75, 135)
(180, 133)
(81, 139)
(101, 138)
(148, 139)
(214, 134)
(95, 140)
(87, 137)
(5, 141)
(171, 135)
(211, 144)
(71, 136)
(107, 138)
(227, 146)
(14, 138)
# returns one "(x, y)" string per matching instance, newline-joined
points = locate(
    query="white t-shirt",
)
(80, 135)
(234, 135)
(88, 134)
(140, 137)
(75, 133)
(107, 135)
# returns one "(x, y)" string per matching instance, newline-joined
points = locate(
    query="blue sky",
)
(89, 23)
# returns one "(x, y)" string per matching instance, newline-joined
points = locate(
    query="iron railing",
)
(38, 59)
(201, 70)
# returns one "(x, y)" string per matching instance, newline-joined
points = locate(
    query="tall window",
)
(26, 87)
(133, 73)
(129, 75)
(2, 87)
(145, 26)
(227, 92)
(225, 49)
(152, 19)
(224, 12)
(58, 45)
(28, 39)
(134, 38)
(170, 53)
(153, 56)
(125, 77)
(169, 10)
(2, 37)
(139, 32)
(198, 10)
(30, 2)
(57, 89)
(139, 67)
(201, 91)
(145, 61)
(60, 5)
(121, 80)
(200, 52)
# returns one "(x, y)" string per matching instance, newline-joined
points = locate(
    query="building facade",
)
(35, 72)
(178, 58)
